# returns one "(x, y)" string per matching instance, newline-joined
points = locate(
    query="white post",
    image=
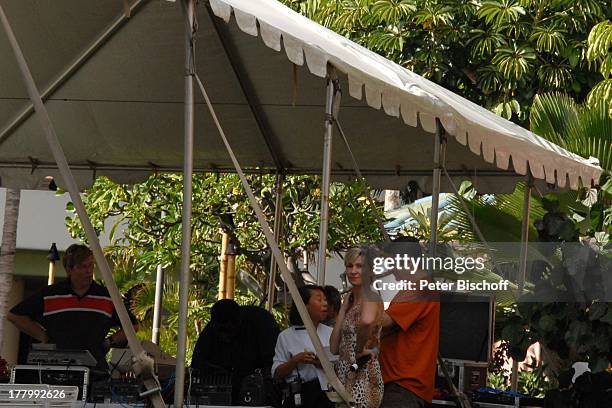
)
(159, 293)
(327, 154)
(523, 259)
(438, 159)
(185, 276)
(278, 214)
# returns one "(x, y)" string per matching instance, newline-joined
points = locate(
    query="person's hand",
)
(305, 357)
(347, 302)
(369, 349)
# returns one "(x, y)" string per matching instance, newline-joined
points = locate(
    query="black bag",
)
(253, 390)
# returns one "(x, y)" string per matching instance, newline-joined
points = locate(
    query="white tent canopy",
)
(120, 113)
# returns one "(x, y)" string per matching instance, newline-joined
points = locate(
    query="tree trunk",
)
(392, 200)
(7, 252)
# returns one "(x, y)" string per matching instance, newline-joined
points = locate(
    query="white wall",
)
(41, 220)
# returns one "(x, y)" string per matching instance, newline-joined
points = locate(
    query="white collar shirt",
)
(295, 340)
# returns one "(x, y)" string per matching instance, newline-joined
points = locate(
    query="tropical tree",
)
(498, 53)
(7, 252)
(600, 42)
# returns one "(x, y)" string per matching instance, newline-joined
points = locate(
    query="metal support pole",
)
(327, 155)
(438, 159)
(157, 308)
(278, 214)
(523, 259)
(525, 232)
(185, 276)
(143, 365)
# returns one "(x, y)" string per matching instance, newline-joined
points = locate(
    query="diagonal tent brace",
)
(278, 225)
(312, 332)
(143, 364)
(360, 176)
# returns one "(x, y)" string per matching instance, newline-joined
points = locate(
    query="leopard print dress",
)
(366, 384)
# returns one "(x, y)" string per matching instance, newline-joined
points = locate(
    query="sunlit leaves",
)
(578, 128)
(389, 40)
(601, 94)
(515, 60)
(391, 11)
(548, 38)
(507, 108)
(600, 42)
(555, 76)
(489, 78)
(483, 42)
(432, 15)
(499, 12)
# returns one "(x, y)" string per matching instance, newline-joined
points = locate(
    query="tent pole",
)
(143, 365)
(523, 258)
(438, 160)
(278, 213)
(159, 293)
(525, 232)
(184, 279)
(327, 154)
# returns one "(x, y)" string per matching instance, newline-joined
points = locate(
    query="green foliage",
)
(532, 383)
(515, 48)
(599, 51)
(578, 128)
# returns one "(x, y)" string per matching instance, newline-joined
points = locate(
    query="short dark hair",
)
(305, 293)
(333, 297)
(225, 310)
(75, 254)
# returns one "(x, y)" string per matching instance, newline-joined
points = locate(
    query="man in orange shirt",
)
(408, 352)
(411, 332)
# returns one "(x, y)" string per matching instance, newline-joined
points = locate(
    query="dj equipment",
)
(121, 391)
(209, 388)
(62, 357)
(52, 375)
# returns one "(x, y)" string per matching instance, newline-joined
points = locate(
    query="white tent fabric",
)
(400, 91)
(120, 114)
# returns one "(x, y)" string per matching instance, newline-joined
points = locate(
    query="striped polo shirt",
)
(73, 322)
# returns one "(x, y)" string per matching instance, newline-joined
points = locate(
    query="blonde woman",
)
(357, 367)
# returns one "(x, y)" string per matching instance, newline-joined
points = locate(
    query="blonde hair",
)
(352, 255)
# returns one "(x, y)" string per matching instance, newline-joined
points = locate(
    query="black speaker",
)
(466, 327)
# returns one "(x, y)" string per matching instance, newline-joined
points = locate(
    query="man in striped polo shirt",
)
(75, 314)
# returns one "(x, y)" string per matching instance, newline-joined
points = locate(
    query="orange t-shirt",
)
(408, 357)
